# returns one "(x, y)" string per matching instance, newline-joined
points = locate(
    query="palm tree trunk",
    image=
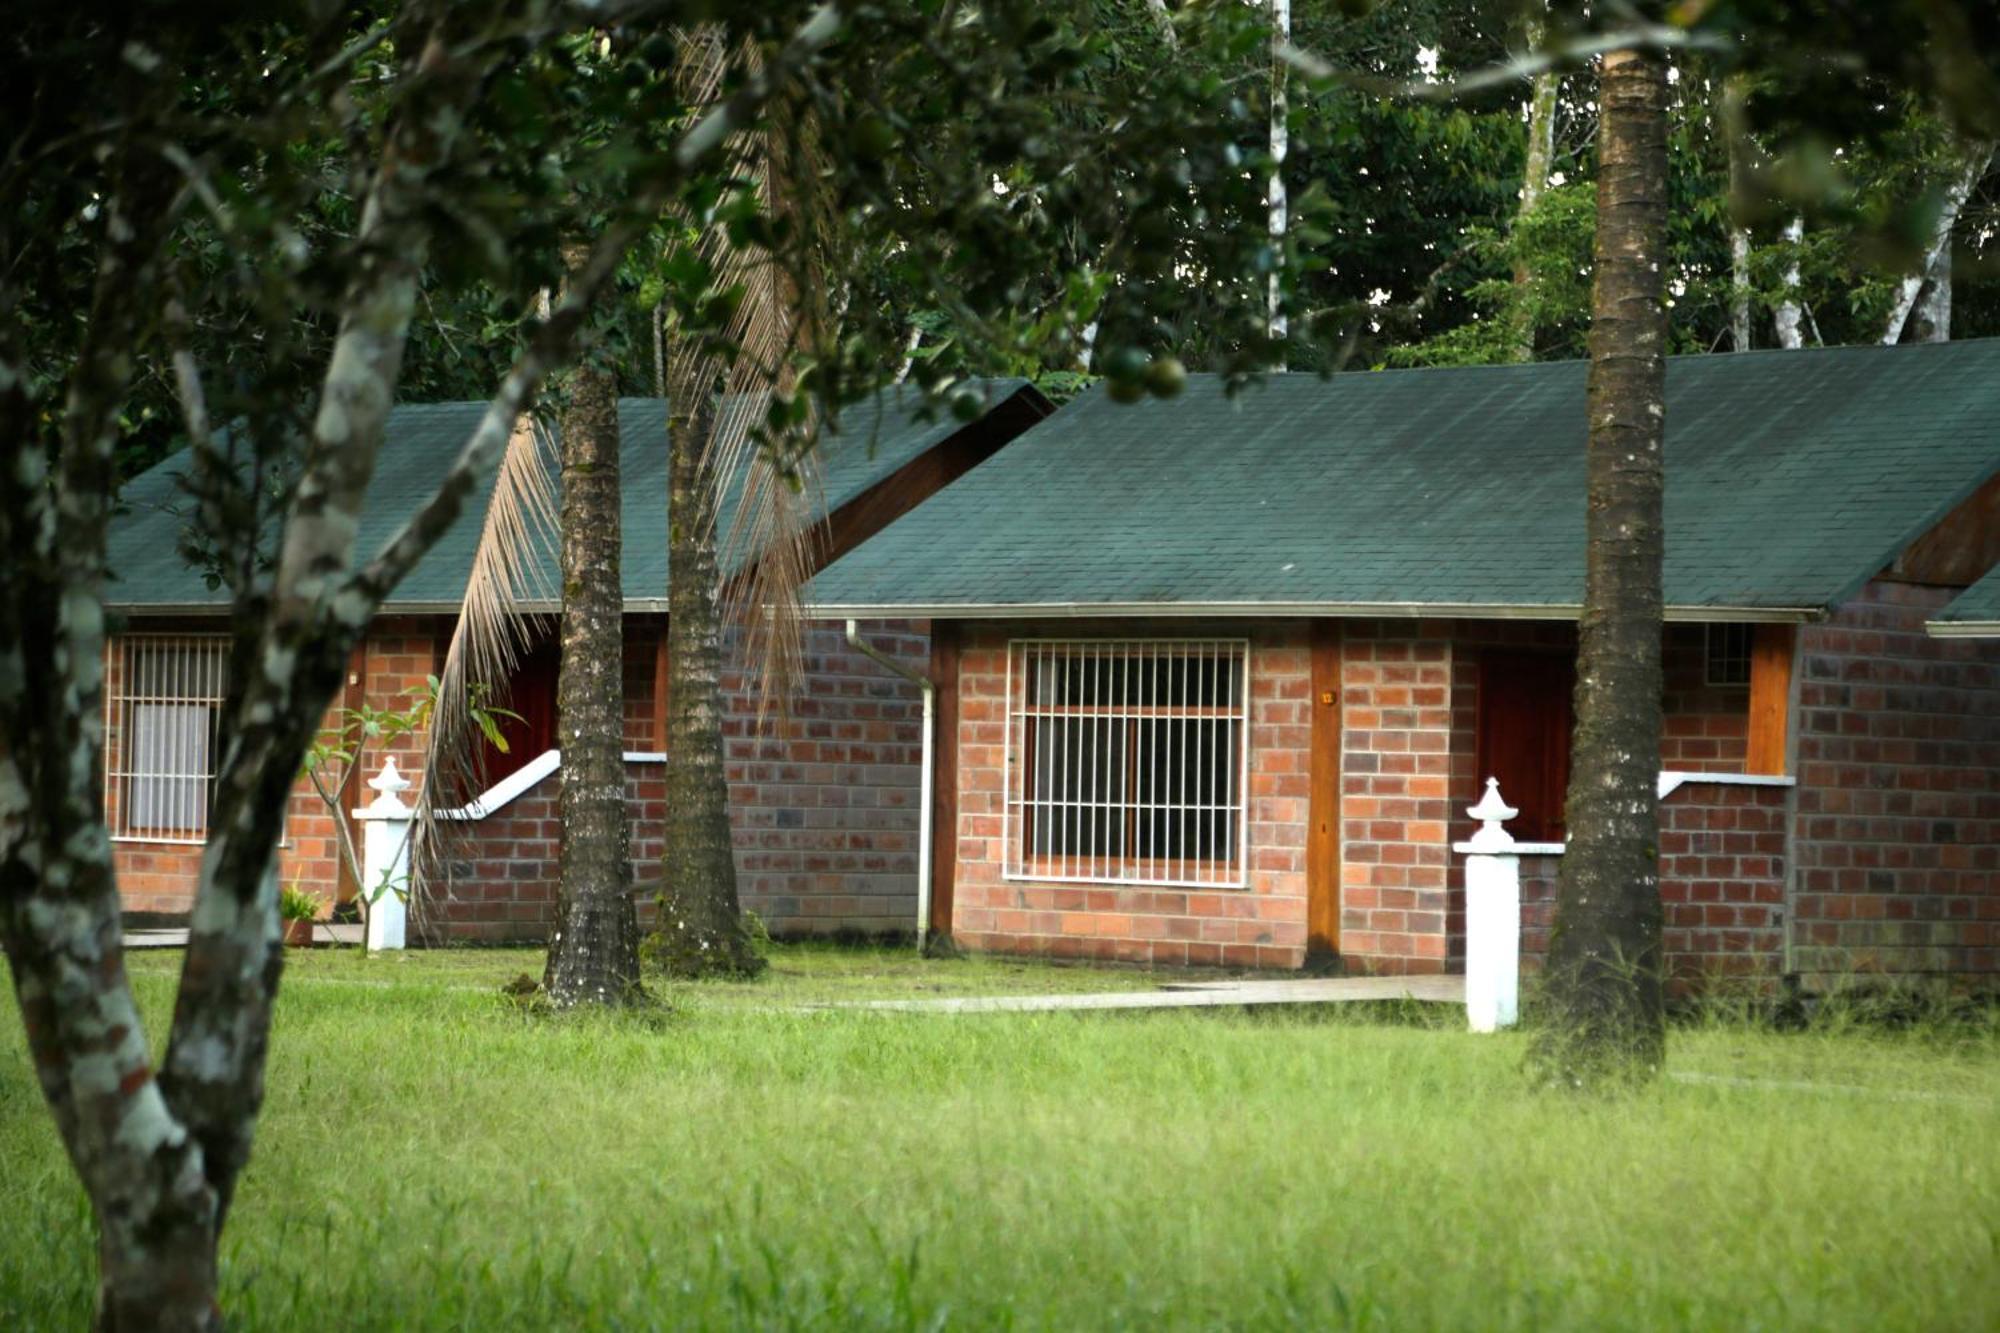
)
(700, 929)
(594, 952)
(1603, 1018)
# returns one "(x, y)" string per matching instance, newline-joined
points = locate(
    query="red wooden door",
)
(532, 694)
(1525, 720)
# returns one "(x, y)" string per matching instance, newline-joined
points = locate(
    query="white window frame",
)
(175, 769)
(1133, 871)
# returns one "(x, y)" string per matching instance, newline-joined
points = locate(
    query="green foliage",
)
(295, 904)
(1551, 245)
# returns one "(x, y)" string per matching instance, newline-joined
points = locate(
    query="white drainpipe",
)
(924, 798)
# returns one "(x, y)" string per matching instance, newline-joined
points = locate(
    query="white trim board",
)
(1963, 629)
(1671, 781)
(524, 778)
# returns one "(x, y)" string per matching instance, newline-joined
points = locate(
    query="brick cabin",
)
(824, 800)
(1218, 678)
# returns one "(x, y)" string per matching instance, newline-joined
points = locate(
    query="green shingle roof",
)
(1975, 613)
(876, 438)
(1792, 477)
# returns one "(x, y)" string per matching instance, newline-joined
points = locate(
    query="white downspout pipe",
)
(925, 796)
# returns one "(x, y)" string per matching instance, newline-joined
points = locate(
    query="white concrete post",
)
(385, 858)
(1492, 916)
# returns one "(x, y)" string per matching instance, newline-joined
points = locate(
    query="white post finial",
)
(387, 785)
(1492, 916)
(1491, 812)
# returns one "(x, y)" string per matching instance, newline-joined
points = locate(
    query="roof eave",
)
(1284, 610)
(1963, 629)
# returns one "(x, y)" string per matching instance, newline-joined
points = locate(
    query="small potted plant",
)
(298, 910)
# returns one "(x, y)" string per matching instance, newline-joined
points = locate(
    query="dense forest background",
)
(1407, 220)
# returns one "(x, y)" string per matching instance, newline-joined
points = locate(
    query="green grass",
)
(431, 1157)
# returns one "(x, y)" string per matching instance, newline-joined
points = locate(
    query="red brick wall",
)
(1722, 885)
(824, 798)
(1263, 925)
(823, 801)
(1898, 836)
(500, 885)
(161, 876)
(1395, 806)
(1705, 728)
(1409, 699)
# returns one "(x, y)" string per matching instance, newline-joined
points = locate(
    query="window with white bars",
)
(164, 707)
(1126, 761)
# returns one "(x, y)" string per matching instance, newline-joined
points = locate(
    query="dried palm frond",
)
(776, 534)
(509, 576)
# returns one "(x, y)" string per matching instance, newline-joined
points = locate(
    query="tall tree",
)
(594, 949)
(1604, 1012)
(699, 929)
(159, 1151)
(1544, 89)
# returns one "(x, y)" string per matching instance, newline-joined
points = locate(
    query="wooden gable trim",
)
(928, 473)
(1963, 545)
(916, 481)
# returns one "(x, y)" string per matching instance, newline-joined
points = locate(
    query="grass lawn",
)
(431, 1157)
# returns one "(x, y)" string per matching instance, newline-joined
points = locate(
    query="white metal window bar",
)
(160, 736)
(1126, 761)
(1726, 654)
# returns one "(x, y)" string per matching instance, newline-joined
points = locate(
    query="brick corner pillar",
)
(1395, 807)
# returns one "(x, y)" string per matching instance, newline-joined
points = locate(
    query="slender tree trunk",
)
(594, 953)
(1930, 322)
(1278, 220)
(1739, 288)
(1542, 96)
(1787, 317)
(700, 929)
(1735, 140)
(1604, 1007)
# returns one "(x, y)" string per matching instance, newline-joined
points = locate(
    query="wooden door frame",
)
(1323, 801)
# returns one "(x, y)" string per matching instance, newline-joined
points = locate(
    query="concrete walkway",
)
(1198, 995)
(326, 932)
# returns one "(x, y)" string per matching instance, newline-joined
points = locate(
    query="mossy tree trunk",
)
(1602, 1019)
(594, 953)
(1543, 92)
(700, 929)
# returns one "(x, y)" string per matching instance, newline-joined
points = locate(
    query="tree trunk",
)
(594, 953)
(1933, 275)
(1542, 94)
(1603, 1017)
(1744, 157)
(700, 930)
(1739, 288)
(1930, 322)
(1786, 316)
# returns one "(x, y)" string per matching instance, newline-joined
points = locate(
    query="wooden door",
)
(1525, 720)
